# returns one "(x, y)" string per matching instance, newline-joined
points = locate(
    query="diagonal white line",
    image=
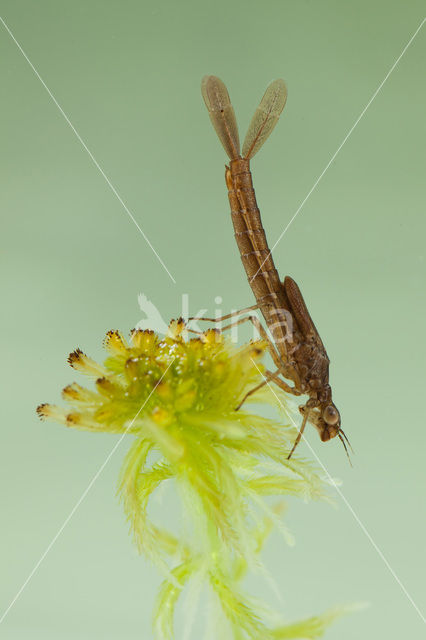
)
(90, 154)
(333, 157)
(80, 500)
(349, 506)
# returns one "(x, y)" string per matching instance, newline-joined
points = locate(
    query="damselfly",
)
(296, 349)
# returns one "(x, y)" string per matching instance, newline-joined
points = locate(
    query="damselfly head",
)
(329, 422)
(329, 426)
(325, 418)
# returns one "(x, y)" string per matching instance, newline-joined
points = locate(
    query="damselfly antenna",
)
(339, 434)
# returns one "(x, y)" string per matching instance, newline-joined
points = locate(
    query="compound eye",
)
(331, 415)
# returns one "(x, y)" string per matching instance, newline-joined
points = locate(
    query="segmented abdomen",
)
(255, 255)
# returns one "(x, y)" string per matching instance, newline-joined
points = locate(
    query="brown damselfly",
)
(296, 349)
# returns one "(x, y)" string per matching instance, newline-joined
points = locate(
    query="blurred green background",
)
(127, 74)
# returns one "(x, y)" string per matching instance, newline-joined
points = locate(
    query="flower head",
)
(181, 400)
(161, 380)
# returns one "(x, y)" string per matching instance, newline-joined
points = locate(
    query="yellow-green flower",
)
(178, 397)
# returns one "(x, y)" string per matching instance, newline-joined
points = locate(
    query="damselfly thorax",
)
(297, 349)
